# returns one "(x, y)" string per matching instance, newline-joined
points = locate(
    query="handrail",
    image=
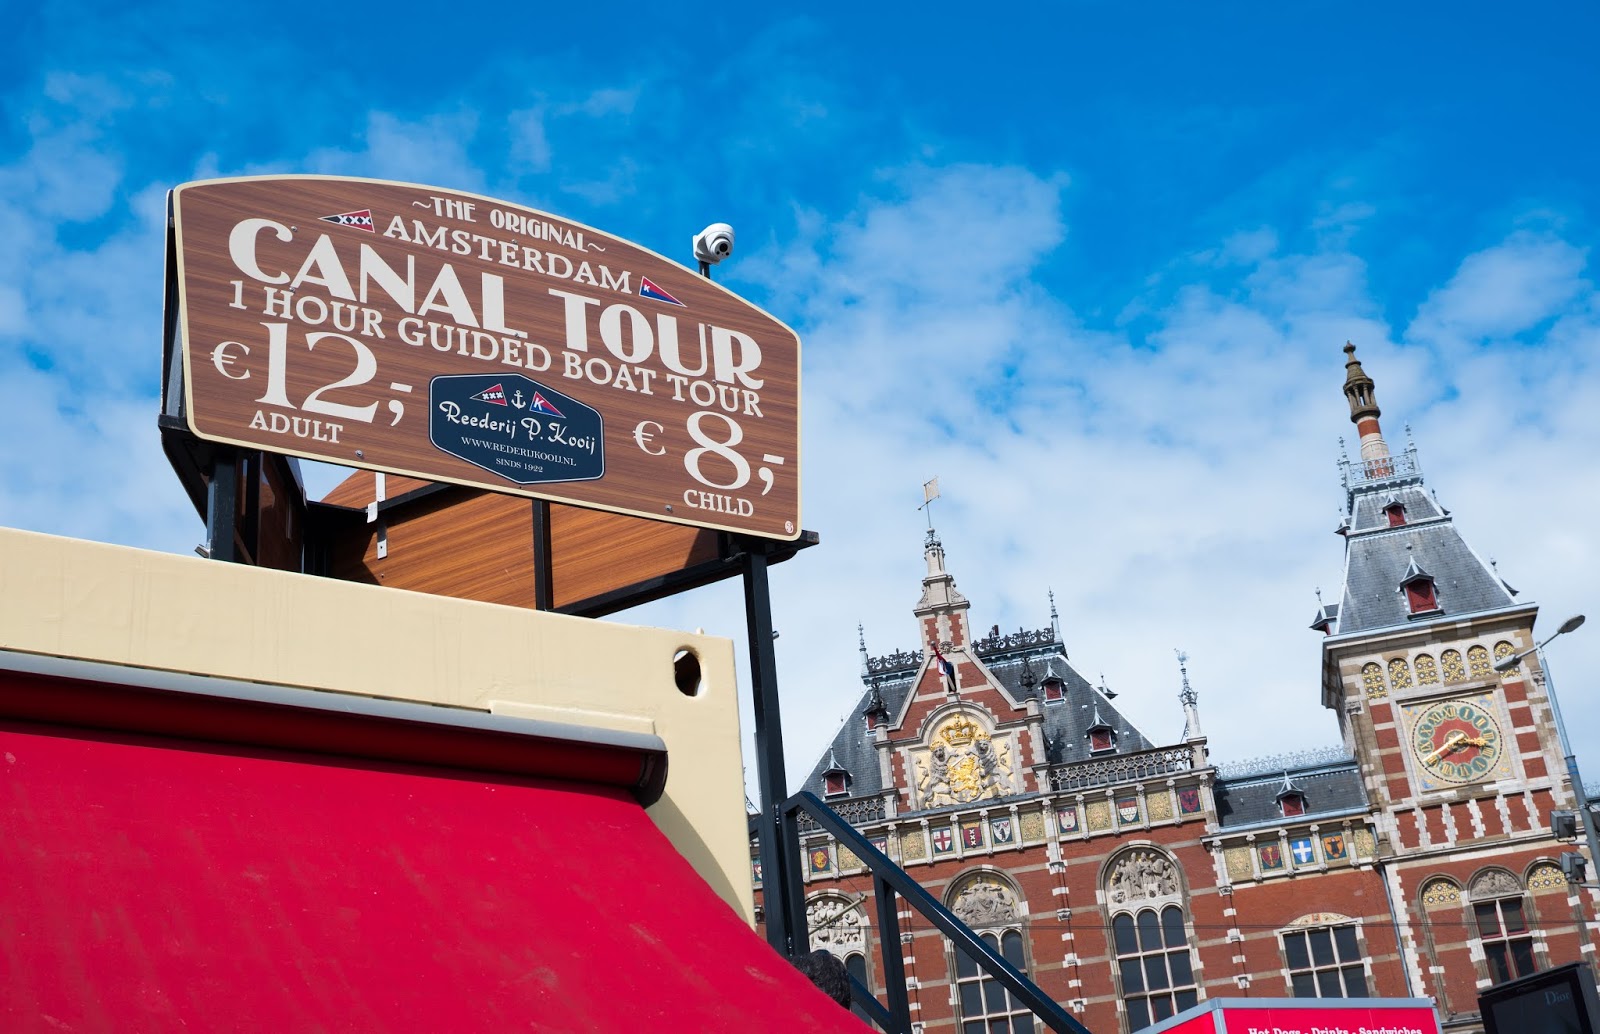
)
(888, 879)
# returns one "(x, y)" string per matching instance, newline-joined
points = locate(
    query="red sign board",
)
(1306, 1016)
(453, 337)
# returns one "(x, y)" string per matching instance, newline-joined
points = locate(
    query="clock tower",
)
(1459, 761)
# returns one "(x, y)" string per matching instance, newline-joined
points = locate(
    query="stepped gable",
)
(1021, 663)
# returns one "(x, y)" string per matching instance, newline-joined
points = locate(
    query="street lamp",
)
(1511, 661)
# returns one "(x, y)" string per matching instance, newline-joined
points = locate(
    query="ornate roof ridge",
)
(1276, 765)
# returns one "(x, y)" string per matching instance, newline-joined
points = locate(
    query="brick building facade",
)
(1132, 879)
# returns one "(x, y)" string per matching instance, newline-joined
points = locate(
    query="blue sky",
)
(1090, 263)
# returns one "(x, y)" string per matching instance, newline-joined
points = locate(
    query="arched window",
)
(1372, 681)
(1149, 931)
(1399, 673)
(1324, 959)
(1454, 670)
(855, 964)
(838, 926)
(1427, 670)
(1154, 964)
(988, 903)
(1499, 917)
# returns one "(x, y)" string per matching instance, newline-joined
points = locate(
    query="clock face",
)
(1457, 741)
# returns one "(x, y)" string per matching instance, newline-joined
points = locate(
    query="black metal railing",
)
(888, 881)
(1121, 768)
(854, 810)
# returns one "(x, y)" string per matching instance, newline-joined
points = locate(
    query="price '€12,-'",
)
(715, 435)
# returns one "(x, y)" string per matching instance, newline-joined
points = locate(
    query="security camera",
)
(714, 243)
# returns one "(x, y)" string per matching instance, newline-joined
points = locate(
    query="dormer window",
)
(835, 778)
(1421, 595)
(1102, 737)
(1291, 799)
(1053, 693)
(1396, 512)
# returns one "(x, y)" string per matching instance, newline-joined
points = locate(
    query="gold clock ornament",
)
(1457, 741)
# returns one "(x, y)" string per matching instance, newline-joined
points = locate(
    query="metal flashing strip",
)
(484, 726)
(1282, 822)
(1385, 631)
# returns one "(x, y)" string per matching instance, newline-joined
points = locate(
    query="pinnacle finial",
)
(1361, 393)
(1190, 700)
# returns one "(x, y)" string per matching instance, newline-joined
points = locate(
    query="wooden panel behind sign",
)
(457, 338)
(479, 546)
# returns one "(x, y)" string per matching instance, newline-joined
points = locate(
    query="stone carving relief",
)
(963, 764)
(985, 902)
(1141, 875)
(1495, 883)
(836, 926)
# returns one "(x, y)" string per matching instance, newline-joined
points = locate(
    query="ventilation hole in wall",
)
(686, 672)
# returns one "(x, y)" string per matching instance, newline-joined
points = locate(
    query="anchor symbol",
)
(516, 400)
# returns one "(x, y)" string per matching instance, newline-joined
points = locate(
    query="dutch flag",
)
(946, 669)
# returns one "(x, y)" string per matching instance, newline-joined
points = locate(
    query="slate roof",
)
(1378, 556)
(1066, 722)
(1253, 800)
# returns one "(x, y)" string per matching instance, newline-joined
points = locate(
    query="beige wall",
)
(89, 601)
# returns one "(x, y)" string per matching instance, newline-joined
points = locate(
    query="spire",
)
(861, 637)
(942, 610)
(1361, 394)
(1055, 618)
(1399, 542)
(1190, 700)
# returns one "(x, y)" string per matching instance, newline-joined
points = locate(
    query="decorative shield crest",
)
(1128, 809)
(1067, 818)
(972, 835)
(1333, 848)
(1271, 857)
(821, 859)
(1304, 853)
(1001, 828)
(1189, 800)
(942, 841)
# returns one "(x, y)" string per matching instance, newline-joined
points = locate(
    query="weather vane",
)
(930, 492)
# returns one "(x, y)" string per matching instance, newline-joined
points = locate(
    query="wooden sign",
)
(453, 337)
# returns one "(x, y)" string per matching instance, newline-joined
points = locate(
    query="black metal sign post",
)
(780, 876)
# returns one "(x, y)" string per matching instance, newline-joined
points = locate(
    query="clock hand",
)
(1451, 742)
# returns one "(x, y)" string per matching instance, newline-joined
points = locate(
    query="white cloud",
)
(1175, 490)
(430, 150)
(1504, 290)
